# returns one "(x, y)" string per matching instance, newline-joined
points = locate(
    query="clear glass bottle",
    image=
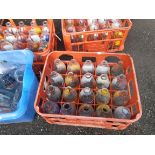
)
(80, 22)
(122, 112)
(33, 41)
(69, 94)
(102, 23)
(119, 82)
(5, 45)
(69, 21)
(115, 23)
(59, 66)
(87, 95)
(120, 98)
(103, 81)
(45, 28)
(73, 66)
(70, 28)
(103, 111)
(11, 29)
(92, 21)
(22, 28)
(88, 66)
(71, 80)
(45, 36)
(88, 80)
(86, 110)
(56, 79)
(68, 108)
(9, 37)
(81, 28)
(21, 42)
(117, 69)
(93, 25)
(22, 36)
(102, 96)
(35, 28)
(51, 107)
(53, 93)
(102, 68)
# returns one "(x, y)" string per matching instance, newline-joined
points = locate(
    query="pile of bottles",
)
(87, 89)
(11, 79)
(92, 25)
(79, 25)
(31, 37)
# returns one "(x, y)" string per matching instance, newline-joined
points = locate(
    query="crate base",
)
(88, 124)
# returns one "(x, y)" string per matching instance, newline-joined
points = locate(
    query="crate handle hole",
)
(128, 70)
(93, 59)
(112, 59)
(131, 88)
(58, 117)
(56, 121)
(65, 57)
(114, 125)
(109, 121)
(134, 109)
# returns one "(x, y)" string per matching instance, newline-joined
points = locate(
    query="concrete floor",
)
(140, 45)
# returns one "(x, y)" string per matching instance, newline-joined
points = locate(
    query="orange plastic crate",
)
(105, 45)
(40, 57)
(109, 123)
